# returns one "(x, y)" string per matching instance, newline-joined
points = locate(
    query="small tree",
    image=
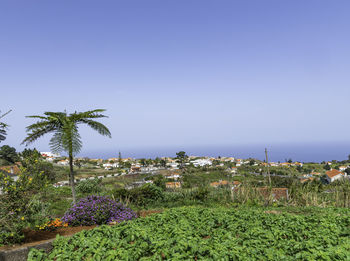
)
(347, 171)
(181, 158)
(8, 154)
(65, 133)
(143, 162)
(163, 163)
(251, 162)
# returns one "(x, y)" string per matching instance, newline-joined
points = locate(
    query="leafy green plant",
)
(197, 233)
(89, 186)
(140, 196)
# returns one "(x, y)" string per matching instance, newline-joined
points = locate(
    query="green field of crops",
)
(196, 233)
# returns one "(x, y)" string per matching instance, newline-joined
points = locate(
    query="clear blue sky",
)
(181, 73)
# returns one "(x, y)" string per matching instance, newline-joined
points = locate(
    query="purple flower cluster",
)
(97, 210)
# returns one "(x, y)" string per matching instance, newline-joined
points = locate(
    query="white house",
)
(334, 174)
(342, 168)
(110, 165)
(234, 170)
(63, 162)
(174, 176)
(50, 154)
(202, 162)
(173, 165)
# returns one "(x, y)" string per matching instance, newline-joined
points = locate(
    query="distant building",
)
(50, 155)
(223, 183)
(63, 162)
(173, 185)
(315, 173)
(234, 170)
(285, 164)
(135, 169)
(343, 168)
(334, 174)
(202, 162)
(273, 164)
(306, 179)
(297, 164)
(174, 176)
(173, 165)
(109, 166)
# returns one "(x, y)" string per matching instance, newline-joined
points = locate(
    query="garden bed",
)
(35, 237)
(199, 233)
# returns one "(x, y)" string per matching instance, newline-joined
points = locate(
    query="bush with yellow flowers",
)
(20, 204)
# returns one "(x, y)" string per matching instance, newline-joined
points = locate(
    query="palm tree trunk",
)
(71, 177)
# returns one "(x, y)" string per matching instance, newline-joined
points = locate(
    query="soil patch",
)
(145, 213)
(33, 237)
(272, 212)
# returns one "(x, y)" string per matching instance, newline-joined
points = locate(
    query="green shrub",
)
(141, 196)
(20, 205)
(89, 186)
(200, 194)
(160, 181)
(33, 162)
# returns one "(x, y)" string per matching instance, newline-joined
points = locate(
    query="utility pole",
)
(268, 167)
(120, 160)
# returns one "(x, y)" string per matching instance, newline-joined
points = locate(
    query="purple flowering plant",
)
(97, 210)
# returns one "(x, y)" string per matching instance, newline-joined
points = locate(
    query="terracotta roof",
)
(173, 185)
(224, 183)
(315, 173)
(285, 164)
(307, 179)
(334, 172)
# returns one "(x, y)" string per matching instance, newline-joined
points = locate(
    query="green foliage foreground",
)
(196, 233)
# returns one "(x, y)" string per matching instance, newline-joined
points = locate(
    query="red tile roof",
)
(334, 172)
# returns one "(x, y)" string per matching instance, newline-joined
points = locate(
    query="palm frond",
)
(89, 114)
(97, 126)
(37, 116)
(55, 144)
(65, 128)
(71, 139)
(2, 134)
(3, 126)
(37, 133)
(41, 125)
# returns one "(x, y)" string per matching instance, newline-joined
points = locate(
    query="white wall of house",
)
(337, 177)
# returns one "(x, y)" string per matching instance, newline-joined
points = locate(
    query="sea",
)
(302, 152)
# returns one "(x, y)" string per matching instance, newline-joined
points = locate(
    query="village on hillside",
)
(172, 167)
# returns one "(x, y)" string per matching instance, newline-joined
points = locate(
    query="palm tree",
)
(65, 133)
(3, 127)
